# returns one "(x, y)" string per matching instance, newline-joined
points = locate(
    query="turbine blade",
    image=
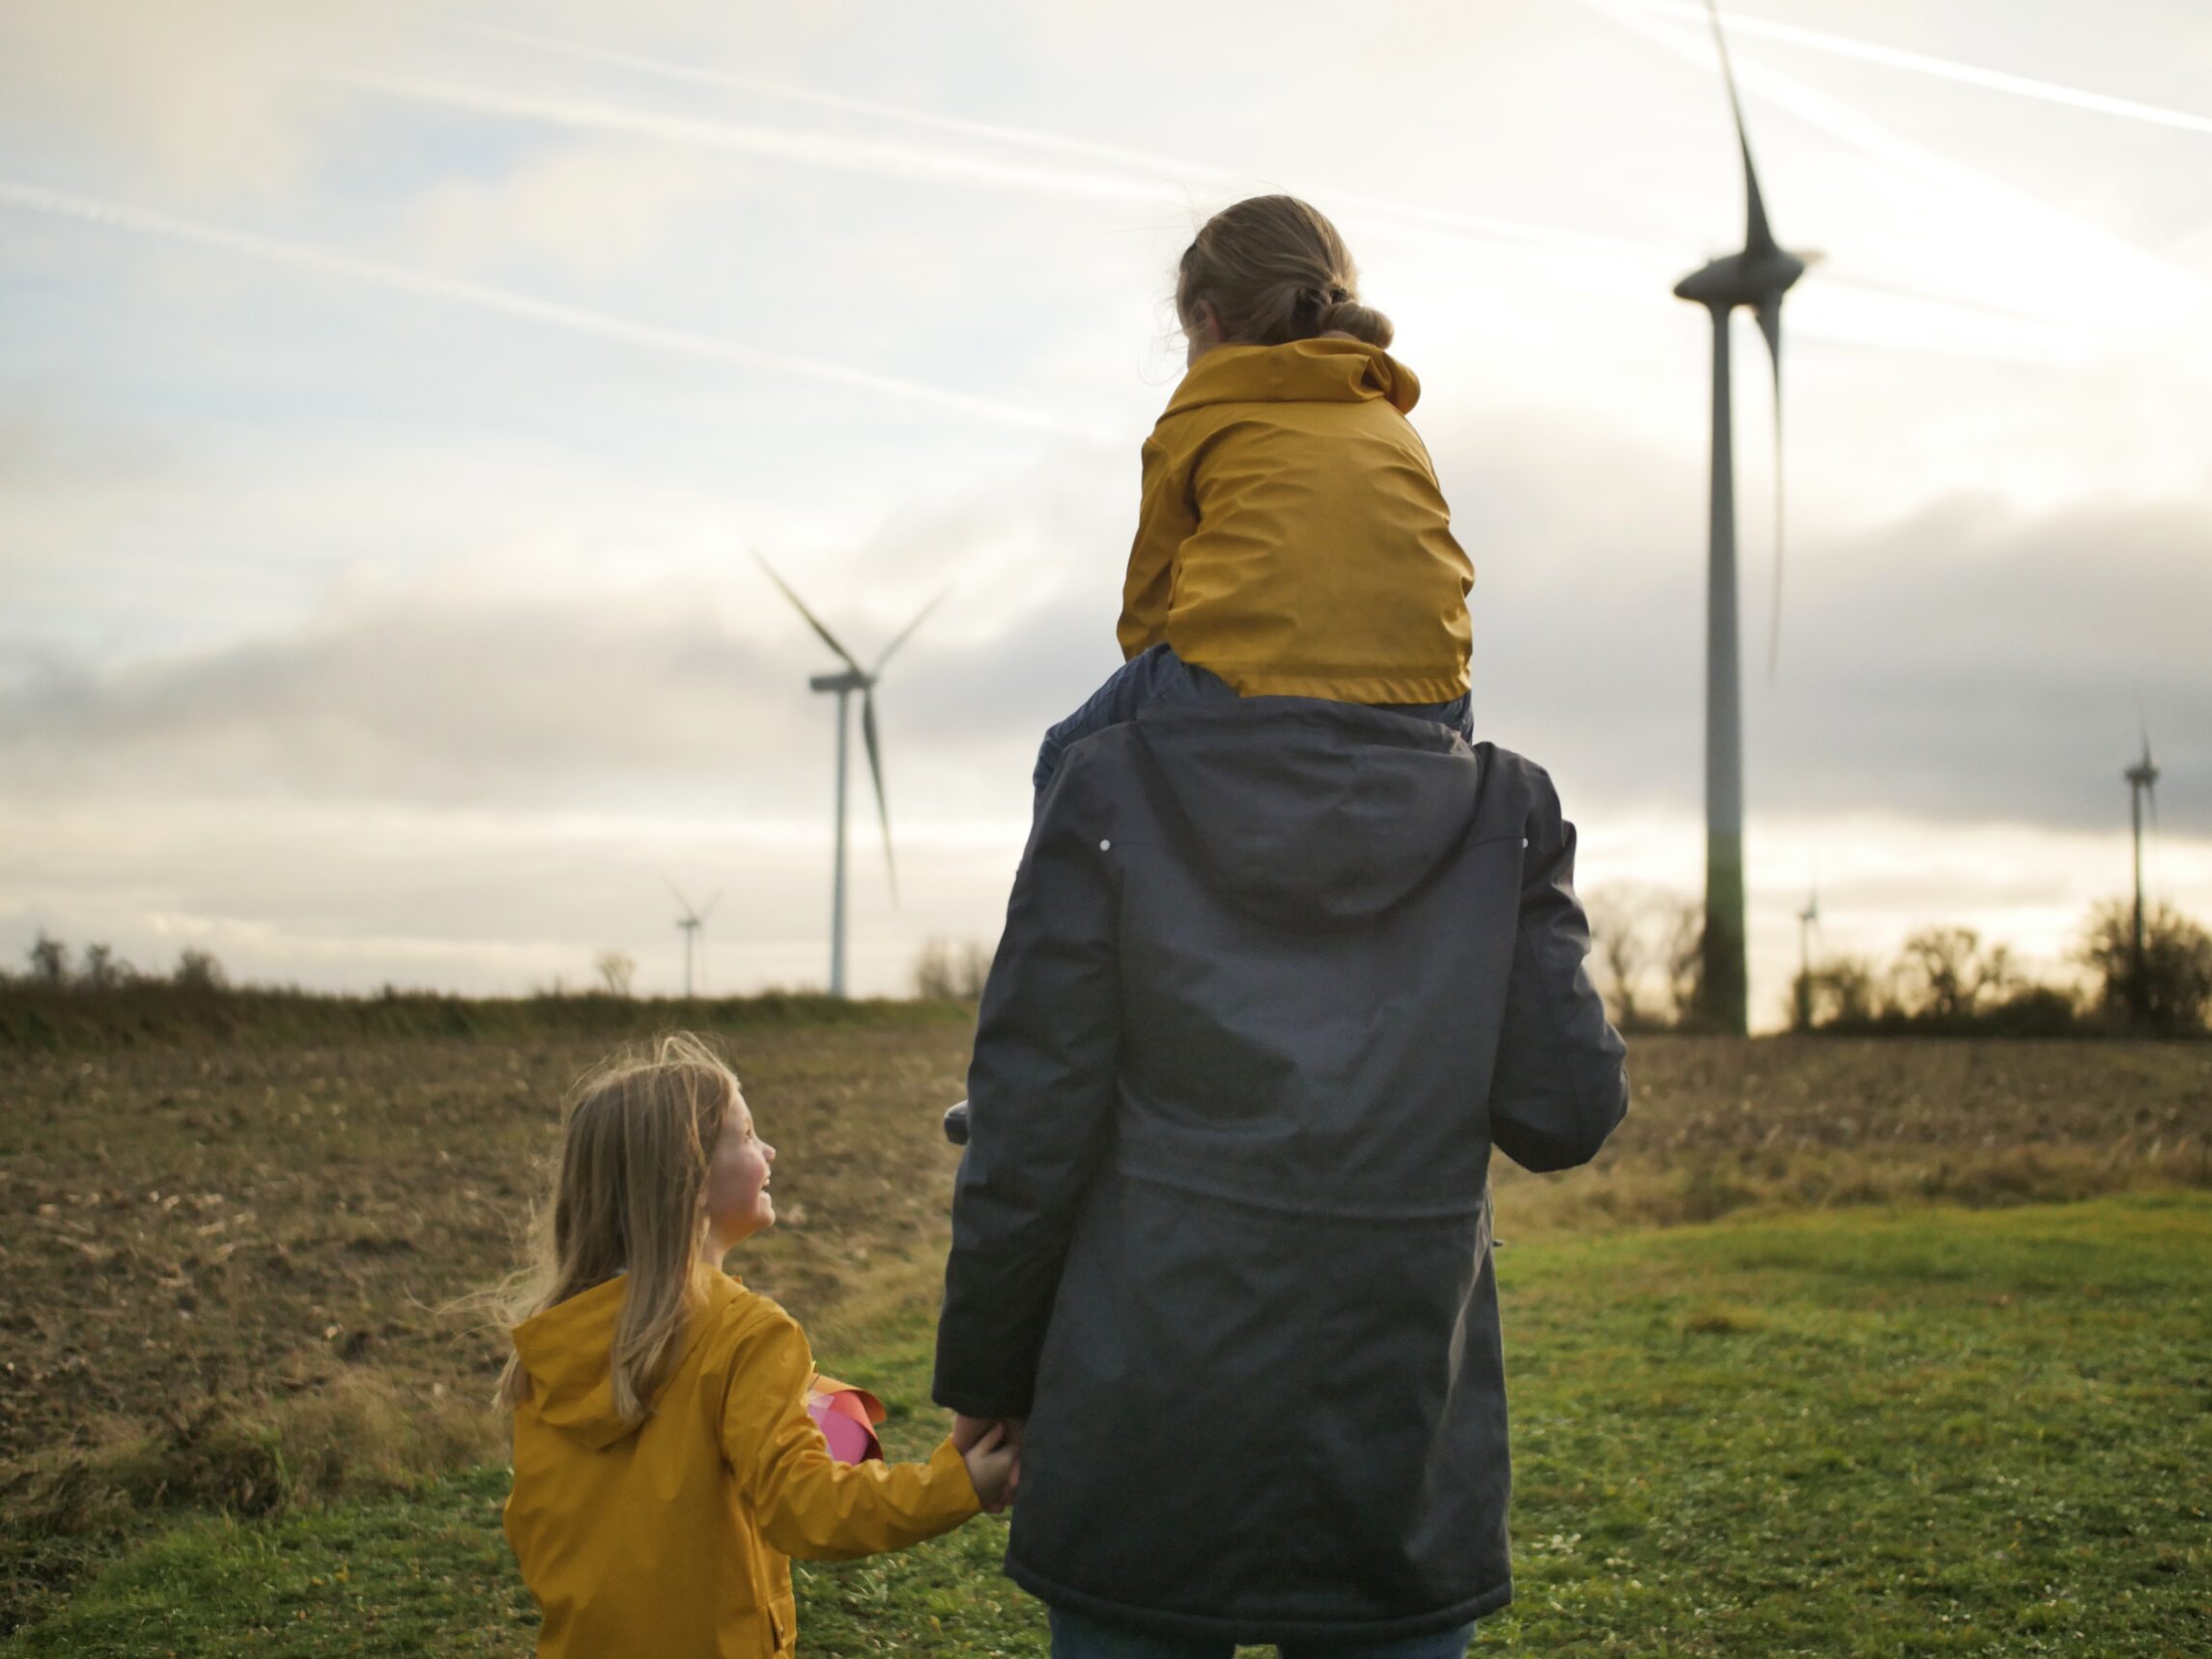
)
(1770, 326)
(1757, 238)
(900, 638)
(689, 912)
(813, 621)
(875, 771)
(711, 903)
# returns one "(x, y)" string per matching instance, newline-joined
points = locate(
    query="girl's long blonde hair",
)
(630, 1198)
(1274, 270)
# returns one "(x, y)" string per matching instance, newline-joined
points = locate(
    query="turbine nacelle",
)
(1747, 278)
(2143, 774)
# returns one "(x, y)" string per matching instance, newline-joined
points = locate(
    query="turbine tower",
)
(690, 924)
(1757, 277)
(845, 685)
(2142, 783)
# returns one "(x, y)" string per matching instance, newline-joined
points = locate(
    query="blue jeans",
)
(1158, 676)
(1077, 1637)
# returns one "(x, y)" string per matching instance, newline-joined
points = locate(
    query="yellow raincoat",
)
(1292, 536)
(672, 1539)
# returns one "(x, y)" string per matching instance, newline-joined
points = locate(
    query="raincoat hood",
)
(565, 1351)
(1338, 371)
(1335, 818)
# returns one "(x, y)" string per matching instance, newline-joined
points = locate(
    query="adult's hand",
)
(968, 1431)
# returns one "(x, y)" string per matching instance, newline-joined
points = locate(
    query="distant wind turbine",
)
(691, 924)
(854, 679)
(2143, 786)
(1757, 277)
(1808, 919)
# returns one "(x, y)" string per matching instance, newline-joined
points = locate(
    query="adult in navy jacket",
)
(1276, 975)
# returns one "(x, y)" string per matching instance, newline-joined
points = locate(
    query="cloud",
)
(197, 92)
(596, 209)
(1965, 663)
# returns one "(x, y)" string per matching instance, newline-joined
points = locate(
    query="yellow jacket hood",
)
(1292, 535)
(1340, 371)
(566, 1349)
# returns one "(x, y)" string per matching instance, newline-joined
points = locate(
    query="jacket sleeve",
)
(1040, 1103)
(806, 1503)
(1561, 1080)
(1165, 518)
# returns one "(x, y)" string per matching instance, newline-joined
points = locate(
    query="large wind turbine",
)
(854, 679)
(1757, 277)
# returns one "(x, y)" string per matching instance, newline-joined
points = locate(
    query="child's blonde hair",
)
(1274, 270)
(631, 1198)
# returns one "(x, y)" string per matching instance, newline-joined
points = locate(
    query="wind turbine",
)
(1808, 919)
(854, 679)
(2142, 784)
(1757, 277)
(690, 924)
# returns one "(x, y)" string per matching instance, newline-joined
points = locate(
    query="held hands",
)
(992, 1449)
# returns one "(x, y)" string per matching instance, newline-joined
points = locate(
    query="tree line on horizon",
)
(1646, 956)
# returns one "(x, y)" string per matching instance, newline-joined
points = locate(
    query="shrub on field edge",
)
(354, 1435)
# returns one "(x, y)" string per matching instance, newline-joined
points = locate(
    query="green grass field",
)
(1860, 1431)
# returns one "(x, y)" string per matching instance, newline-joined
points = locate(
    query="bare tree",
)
(1625, 949)
(618, 971)
(2175, 992)
(1645, 953)
(199, 969)
(974, 970)
(103, 970)
(1685, 959)
(1840, 992)
(49, 960)
(1936, 971)
(946, 973)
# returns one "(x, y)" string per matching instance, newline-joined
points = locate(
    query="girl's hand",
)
(991, 1461)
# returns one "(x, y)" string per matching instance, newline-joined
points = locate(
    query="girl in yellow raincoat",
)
(1292, 540)
(666, 1466)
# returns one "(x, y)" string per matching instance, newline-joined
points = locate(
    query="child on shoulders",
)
(1292, 539)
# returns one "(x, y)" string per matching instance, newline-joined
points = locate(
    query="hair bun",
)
(1349, 316)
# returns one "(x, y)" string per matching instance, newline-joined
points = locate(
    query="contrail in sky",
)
(701, 347)
(1141, 176)
(2060, 243)
(1149, 164)
(821, 149)
(1941, 69)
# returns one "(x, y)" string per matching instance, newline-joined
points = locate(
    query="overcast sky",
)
(390, 397)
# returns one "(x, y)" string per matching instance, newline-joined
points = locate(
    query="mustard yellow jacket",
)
(1292, 536)
(673, 1538)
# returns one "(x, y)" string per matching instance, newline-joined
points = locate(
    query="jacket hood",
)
(565, 1351)
(1312, 812)
(1329, 371)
